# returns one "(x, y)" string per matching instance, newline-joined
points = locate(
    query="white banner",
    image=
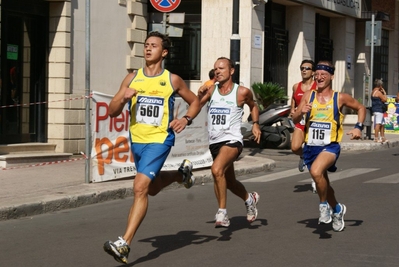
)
(111, 156)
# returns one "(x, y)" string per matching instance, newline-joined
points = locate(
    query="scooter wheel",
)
(285, 139)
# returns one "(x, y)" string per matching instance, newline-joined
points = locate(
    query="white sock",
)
(249, 200)
(223, 210)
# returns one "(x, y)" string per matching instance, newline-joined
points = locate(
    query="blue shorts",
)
(310, 154)
(149, 158)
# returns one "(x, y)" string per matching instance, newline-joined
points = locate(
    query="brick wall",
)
(387, 6)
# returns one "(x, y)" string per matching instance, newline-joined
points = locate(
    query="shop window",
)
(184, 57)
(323, 44)
(275, 67)
(185, 54)
(381, 56)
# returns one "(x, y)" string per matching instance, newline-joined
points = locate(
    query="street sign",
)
(171, 31)
(165, 5)
(377, 33)
(172, 18)
(166, 23)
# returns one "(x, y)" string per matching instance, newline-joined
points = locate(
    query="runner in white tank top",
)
(224, 117)
(225, 111)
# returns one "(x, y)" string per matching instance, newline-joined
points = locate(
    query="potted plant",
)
(272, 94)
(268, 93)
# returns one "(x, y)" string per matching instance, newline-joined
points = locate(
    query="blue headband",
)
(326, 68)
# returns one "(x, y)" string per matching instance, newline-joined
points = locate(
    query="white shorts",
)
(379, 118)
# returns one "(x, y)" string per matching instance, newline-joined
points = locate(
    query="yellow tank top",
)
(324, 121)
(151, 110)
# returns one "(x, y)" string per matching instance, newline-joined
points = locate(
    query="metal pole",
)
(364, 90)
(87, 94)
(235, 42)
(164, 27)
(371, 83)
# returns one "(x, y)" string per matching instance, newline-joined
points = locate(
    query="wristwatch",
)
(189, 119)
(359, 126)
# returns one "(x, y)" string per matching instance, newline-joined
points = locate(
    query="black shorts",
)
(214, 148)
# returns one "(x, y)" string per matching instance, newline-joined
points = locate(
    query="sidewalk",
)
(37, 190)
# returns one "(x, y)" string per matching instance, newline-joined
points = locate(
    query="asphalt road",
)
(179, 228)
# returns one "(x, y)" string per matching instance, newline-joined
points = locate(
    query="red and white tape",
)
(45, 102)
(46, 163)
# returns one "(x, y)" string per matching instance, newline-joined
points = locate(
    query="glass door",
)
(23, 73)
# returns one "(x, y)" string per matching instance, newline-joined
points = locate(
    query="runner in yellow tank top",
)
(324, 121)
(150, 92)
(151, 108)
(323, 132)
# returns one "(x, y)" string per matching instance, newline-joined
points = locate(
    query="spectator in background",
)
(212, 79)
(378, 107)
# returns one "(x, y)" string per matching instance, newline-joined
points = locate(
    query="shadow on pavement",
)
(322, 229)
(303, 188)
(167, 243)
(238, 223)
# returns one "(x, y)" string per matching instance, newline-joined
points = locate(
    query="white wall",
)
(343, 36)
(255, 70)
(216, 29)
(301, 27)
(108, 49)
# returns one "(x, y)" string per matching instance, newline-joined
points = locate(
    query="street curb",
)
(363, 146)
(94, 194)
(62, 203)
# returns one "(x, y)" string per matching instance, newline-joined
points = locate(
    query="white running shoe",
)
(118, 249)
(325, 213)
(338, 219)
(186, 168)
(222, 220)
(252, 211)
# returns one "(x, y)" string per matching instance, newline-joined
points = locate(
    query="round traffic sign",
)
(165, 5)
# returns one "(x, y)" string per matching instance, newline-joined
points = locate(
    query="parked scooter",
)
(275, 124)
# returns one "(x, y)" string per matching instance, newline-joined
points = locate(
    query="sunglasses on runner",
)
(305, 68)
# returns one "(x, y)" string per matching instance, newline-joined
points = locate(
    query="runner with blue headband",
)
(322, 110)
(326, 68)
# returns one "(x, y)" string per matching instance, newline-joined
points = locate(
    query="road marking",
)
(390, 179)
(273, 176)
(332, 176)
(345, 174)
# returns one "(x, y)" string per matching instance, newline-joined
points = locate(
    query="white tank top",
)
(224, 117)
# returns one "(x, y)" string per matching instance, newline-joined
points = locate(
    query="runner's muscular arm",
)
(245, 96)
(204, 94)
(181, 88)
(350, 102)
(294, 87)
(303, 108)
(123, 96)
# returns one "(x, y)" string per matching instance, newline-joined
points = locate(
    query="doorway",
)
(324, 46)
(276, 45)
(24, 38)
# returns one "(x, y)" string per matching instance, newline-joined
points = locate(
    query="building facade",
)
(44, 61)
